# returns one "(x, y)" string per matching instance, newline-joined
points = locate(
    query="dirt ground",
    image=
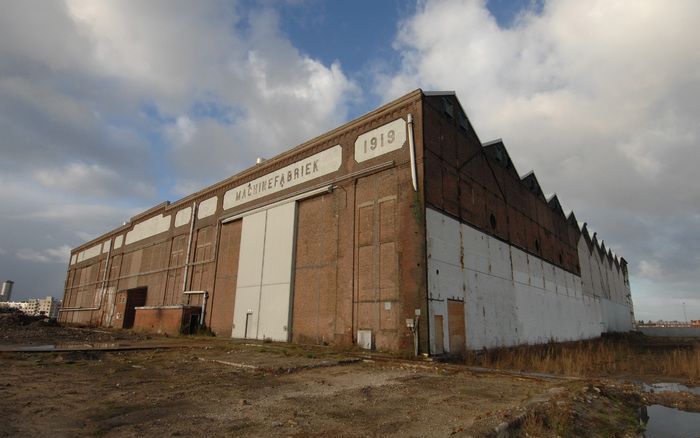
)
(219, 387)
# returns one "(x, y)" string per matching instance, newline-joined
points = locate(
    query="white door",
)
(263, 291)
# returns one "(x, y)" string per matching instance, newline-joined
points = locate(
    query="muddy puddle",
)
(64, 347)
(662, 421)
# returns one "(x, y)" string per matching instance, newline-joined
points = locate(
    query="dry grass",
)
(618, 356)
(591, 414)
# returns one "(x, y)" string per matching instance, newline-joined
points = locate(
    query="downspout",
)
(414, 180)
(217, 240)
(189, 247)
(412, 151)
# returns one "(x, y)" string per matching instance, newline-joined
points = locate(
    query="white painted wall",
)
(605, 280)
(616, 316)
(511, 297)
(148, 228)
(89, 253)
(182, 217)
(207, 207)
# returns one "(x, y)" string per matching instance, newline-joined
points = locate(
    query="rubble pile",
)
(10, 317)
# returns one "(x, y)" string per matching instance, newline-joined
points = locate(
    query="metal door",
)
(439, 335)
(263, 291)
(455, 326)
(250, 259)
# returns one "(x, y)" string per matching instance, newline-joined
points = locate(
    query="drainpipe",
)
(414, 180)
(189, 247)
(204, 303)
(412, 325)
(412, 149)
(415, 335)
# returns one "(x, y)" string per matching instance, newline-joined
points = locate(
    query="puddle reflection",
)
(663, 422)
(74, 347)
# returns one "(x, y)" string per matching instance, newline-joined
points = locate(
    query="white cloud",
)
(113, 105)
(584, 86)
(82, 179)
(184, 131)
(60, 254)
(649, 269)
(255, 83)
(600, 98)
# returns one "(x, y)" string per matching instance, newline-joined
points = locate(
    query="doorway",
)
(439, 335)
(455, 326)
(263, 290)
(133, 298)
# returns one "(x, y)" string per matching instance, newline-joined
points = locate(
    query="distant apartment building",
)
(669, 324)
(21, 305)
(48, 306)
(6, 292)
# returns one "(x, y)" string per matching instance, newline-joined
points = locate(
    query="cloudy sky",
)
(108, 108)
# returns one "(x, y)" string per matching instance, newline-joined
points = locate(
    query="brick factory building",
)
(399, 219)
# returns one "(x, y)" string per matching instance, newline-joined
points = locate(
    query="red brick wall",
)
(316, 289)
(162, 320)
(219, 315)
(397, 246)
(390, 283)
(468, 184)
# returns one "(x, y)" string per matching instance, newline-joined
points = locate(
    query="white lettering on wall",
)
(379, 141)
(317, 165)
